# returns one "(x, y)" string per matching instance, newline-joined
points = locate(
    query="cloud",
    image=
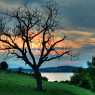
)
(75, 13)
(78, 39)
(80, 13)
(8, 6)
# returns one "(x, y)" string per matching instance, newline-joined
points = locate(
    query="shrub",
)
(45, 78)
(3, 65)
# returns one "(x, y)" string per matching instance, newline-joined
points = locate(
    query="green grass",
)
(15, 84)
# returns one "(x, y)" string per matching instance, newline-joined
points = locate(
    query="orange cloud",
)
(75, 39)
(78, 33)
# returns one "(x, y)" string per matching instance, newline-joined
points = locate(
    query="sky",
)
(77, 23)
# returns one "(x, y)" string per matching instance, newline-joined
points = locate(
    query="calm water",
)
(52, 76)
(58, 76)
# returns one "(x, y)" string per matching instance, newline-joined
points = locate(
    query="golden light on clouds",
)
(78, 33)
(78, 39)
(74, 39)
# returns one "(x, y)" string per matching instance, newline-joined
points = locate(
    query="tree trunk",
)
(38, 78)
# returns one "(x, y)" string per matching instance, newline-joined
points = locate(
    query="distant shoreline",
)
(59, 69)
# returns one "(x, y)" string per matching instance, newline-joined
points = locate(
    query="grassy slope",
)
(14, 84)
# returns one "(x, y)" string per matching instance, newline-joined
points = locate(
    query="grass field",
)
(17, 84)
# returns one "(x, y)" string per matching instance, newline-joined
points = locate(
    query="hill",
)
(59, 69)
(17, 84)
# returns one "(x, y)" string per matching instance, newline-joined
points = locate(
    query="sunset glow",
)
(83, 39)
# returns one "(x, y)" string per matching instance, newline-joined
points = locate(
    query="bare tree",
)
(27, 25)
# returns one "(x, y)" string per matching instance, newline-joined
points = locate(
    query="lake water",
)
(51, 75)
(58, 76)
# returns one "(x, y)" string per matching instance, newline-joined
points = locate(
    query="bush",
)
(3, 65)
(45, 79)
(84, 78)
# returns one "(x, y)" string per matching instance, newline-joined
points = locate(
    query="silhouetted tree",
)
(3, 65)
(25, 22)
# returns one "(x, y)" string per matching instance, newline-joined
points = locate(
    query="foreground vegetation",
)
(18, 84)
(85, 77)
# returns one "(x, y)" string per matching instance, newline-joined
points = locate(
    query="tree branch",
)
(57, 56)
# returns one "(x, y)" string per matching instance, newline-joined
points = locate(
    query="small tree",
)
(28, 26)
(91, 64)
(3, 65)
